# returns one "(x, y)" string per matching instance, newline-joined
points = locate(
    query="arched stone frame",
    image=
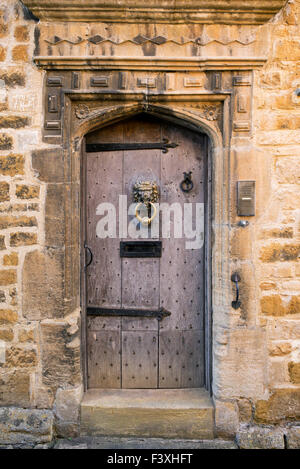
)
(218, 260)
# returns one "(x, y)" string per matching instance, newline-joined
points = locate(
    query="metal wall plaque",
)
(140, 248)
(246, 198)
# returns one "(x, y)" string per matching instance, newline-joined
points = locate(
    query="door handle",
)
(187, 184)
(235, 278)
(91, 256)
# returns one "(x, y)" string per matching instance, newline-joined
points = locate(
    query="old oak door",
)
(126, 351)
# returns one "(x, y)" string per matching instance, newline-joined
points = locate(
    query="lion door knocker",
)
(146, 193)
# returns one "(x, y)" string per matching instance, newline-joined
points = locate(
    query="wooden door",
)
(139, 351)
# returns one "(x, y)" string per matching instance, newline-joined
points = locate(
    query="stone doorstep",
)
(148, 413)
(114, 443)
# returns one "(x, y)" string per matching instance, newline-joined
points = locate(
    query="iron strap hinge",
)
(144, 313)
(98, 147)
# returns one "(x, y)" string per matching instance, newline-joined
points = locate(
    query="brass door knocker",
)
(145, 220)
(146, 193)
(187, 184)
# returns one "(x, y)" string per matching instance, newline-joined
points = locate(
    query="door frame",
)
(209, 214)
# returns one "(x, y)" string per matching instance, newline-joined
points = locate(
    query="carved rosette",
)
(210, 113)
(82, 111)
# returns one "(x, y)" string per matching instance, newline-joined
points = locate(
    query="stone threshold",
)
(89, 442)
(114, 443)
(148, 413)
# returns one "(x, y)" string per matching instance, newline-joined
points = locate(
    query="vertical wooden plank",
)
(104, 359)
(140, 277)
(182, 270)
(181, 359)
(140, 286)
(139, 324)
(104, 184)
(103, 323)
(139, 359)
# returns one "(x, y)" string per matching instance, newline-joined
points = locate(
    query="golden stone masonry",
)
(138, 337)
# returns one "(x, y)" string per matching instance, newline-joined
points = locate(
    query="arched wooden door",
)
(129, 344)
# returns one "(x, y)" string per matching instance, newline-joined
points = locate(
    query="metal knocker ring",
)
(187, 184)
(145, 220)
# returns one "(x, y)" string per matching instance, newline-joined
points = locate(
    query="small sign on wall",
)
(246, 198)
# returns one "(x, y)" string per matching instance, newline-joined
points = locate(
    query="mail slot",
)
(140, 248)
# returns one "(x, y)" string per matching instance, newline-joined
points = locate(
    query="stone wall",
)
(38, 341)
(257, 352)
(260, 357)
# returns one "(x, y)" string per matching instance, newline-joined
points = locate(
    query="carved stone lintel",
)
(150, 63)
(151, 11)
(206, 111)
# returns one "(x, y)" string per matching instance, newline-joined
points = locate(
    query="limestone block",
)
(7, 335)
(280, 252)
(19, 101)
(25, 191)
(283, 329)
(11, 165)
(43, 287)
(23, 239)
(278, 372)
(294, 372)
(67, 411)
(241, 243)
(281, 232)
(14, 388)
(6, 142)
(2, 54)
(60, 364)
(26, 335)
(17, 357)
(20, 53)
(3, 23)
(13, 122)
(273, 305)
(8, 316)
(48, 165)
(4, 192)
(25, 426)
(293, 437)
(67, 404)
(27, 139)
(226, 419)
(283, 405)
(2, 243)
(21, 33)
(242, 372)
(260, 438)
(13, 77)
(280, 349)
(245, 409)
(11, 259)
(11, 221)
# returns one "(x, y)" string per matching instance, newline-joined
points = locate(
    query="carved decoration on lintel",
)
(209, 112)
(141, 40)
(82, 111)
